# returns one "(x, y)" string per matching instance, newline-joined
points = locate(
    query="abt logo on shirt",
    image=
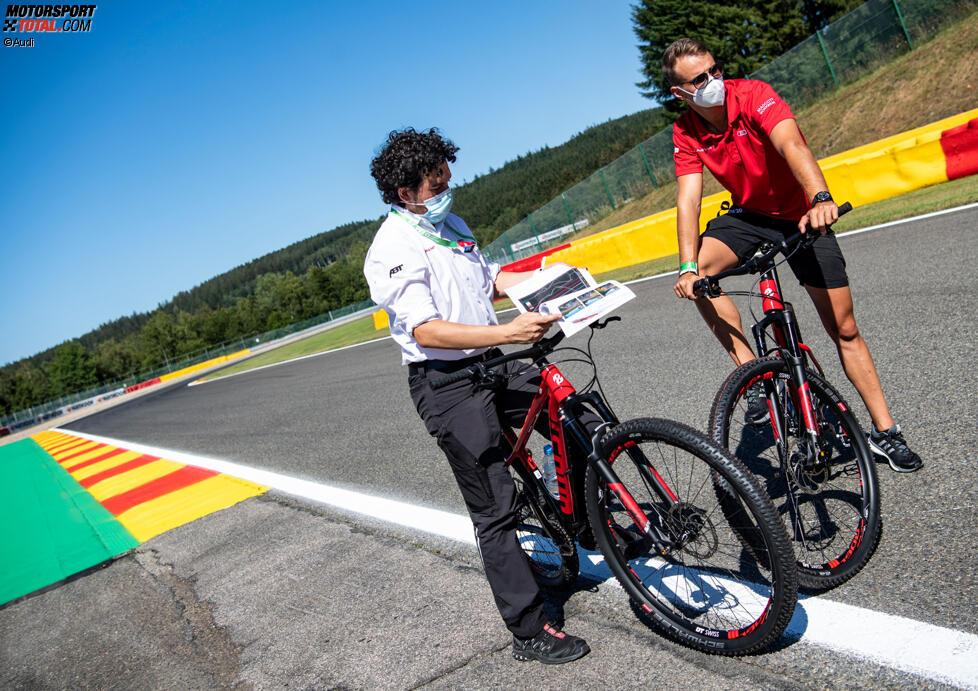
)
(396, 269)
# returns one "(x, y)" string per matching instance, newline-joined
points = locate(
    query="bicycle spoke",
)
(711, 588)
(823, 488)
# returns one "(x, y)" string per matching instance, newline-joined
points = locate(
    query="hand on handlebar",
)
(819, 217)
(529, 327)
(684, 285)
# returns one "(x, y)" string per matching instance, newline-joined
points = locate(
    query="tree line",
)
(743, 35)
(304, 280)
(324, 272)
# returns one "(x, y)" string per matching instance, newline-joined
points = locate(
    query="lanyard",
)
(467, 245)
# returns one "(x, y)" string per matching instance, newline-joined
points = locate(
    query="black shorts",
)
(821, 265)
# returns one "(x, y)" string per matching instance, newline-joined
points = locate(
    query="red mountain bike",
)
(809, 450)
(652, 494)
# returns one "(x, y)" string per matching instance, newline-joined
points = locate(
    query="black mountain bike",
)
(652, 497)
(809, 450)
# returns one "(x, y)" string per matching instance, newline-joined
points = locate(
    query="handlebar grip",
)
(442, 382)
(701, 287)
(844, 208)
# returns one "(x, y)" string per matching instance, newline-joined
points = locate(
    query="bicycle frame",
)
(560, 397)
(781, 317)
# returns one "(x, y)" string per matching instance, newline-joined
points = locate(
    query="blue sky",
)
(175, 141)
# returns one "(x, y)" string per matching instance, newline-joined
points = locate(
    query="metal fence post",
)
(606, 190)
(827, 61)
(648, 168)
(903, 24)
(533, 229)
(567, 207)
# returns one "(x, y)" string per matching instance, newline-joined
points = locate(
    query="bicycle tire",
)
(707, 592)
(832, 511)
(550, 550)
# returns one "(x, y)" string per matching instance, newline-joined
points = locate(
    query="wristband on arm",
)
(687, 267)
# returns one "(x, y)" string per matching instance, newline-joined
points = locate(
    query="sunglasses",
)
(699, 80)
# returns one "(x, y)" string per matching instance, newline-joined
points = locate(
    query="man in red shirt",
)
(746, 135)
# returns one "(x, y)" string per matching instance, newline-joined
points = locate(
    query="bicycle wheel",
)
(828, 500)
(704, 589)
(551, 551)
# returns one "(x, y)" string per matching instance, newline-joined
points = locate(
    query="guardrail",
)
(935, 153)
(942, 151)
(845, 50)
(193, 362)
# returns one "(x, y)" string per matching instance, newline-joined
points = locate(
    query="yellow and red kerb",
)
(148, 495)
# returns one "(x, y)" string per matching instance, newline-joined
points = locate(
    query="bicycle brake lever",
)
(809, 239)
(487, 378)
(600, 324)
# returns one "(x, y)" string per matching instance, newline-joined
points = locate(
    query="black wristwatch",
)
(822, 196)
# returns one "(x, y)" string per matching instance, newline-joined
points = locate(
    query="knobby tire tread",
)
(725, 405)
(783, 573)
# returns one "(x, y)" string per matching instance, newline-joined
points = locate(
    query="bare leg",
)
(835, 309)
(721, 314)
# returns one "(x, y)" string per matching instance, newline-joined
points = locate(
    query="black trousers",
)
(466, 423)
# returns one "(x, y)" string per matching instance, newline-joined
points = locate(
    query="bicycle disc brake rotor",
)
(693, 530)
(808, 470)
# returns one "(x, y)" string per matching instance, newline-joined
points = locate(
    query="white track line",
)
(637, 280)
(847, 233)
(198, 382)
(434, 521)
(940, 654)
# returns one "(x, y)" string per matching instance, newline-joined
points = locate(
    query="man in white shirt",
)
(425, 270)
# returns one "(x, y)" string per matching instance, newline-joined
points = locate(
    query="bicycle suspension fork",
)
(651, 529)
(781, 317)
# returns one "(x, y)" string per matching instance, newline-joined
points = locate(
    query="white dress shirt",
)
(416, 280)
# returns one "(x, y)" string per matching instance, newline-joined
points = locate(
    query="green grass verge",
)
(357, 331)
(926, 200)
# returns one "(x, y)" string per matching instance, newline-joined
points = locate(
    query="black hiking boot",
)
(550, 646)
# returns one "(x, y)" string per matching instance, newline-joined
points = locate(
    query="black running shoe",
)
(891, 446)
(550, 646)
(757, 412)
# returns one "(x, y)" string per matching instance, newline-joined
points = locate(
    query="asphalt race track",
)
(345, 419)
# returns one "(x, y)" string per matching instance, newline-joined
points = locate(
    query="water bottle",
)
(549, 470)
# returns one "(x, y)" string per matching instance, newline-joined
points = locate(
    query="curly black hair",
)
(406, 158)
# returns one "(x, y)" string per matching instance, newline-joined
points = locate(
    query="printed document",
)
(570, 292)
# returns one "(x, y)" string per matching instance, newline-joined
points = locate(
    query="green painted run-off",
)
(52, 527)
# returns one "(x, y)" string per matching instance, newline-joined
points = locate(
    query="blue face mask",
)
(438, 206)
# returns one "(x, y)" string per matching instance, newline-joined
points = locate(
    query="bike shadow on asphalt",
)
(594, 574)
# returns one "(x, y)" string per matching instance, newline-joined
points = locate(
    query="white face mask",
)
(710, 94)
(438, 206)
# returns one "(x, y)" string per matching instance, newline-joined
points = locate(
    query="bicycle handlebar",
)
(709, 285)
(537, 350)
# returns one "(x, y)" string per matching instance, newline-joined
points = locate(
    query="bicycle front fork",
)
(662, 542)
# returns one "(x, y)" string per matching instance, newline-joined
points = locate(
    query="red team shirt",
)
(743, 158)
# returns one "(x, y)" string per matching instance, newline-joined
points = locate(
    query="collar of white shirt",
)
(442, 230)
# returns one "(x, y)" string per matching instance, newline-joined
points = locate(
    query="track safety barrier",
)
(938, 152)
(942, 151)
